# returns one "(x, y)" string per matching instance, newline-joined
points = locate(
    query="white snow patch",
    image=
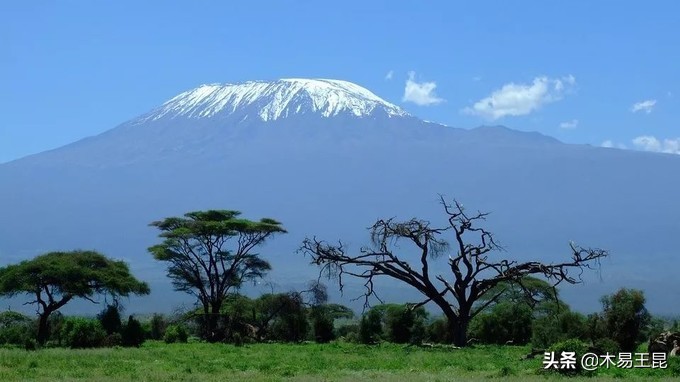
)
(277, 99)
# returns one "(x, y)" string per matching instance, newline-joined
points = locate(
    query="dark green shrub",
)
(30, 344)
(347, 329)
(625, 318)
(55, 323)
(606, 345)
(158, 326)
(110, 319)
(132, 333)
(352, 337)
(237, 339)
(112, 340)
(175, 333)
(402, 323)
(322, 324)
(78, 332)
(370, 327)
(16, 328)
(572, 345)
(438, 331)
(549, 330)
(291, 323)
(507, 322)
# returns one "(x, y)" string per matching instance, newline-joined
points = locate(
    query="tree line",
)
(212, 254)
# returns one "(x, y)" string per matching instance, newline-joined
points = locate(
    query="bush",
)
(237, 339)
(507, 322)
(112, 340)
(110, 319)
(606, 345)
(370, 327)
(349, 328)
(575, 346)
(158, 326)
(16, 328)
(175, 333)
(322, 323)
(549, 330)
(352, 337)
(438, 331)
(132, 333)
(77, 332)
(404, 325)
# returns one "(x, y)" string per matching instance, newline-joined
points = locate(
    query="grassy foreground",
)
(156, 361)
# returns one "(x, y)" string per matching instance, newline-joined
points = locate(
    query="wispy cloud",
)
(420, 93)
(569, 124)
(651, 143)
(521, 99)
(610, 144)
(645, 106)
(389, 75)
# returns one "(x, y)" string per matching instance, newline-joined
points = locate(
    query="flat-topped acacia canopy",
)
(56, 278)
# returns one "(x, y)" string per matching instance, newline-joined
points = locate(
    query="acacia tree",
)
(474, 273)
(201, 264)
(56, 278)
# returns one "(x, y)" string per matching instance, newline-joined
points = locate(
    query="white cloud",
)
(650, 143)
(569, 124)
(610, 144)
(645, 106)
(420, 93)
(389, 75)
(521, 99)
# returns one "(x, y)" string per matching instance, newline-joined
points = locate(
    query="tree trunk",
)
(43, 327)
(216, 334)
(458, 331)
(205, 325)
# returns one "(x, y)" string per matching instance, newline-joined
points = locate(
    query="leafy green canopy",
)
(67, 275)
(56, 278)
(195, 248)
(209, 253)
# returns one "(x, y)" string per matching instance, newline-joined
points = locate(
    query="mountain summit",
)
(275, 100)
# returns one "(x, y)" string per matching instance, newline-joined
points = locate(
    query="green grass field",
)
(156, 361)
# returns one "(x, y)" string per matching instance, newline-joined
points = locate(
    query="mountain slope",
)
(332, 174)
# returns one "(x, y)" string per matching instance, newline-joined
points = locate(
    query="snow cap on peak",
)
(276, 99)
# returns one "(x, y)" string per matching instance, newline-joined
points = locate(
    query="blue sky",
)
(581, 71)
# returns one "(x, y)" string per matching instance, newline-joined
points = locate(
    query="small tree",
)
(291, 323)
(322, 324)
(625, 317)
(201, 264)
(158, 326)
(110, 319)
(370, 327)
(402, 323)
(133, 333)
(56, 278)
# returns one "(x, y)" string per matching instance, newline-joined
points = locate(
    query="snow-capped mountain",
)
(274, 100)
(327, 158)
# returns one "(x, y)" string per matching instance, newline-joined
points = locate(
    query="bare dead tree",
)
(473, 270)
